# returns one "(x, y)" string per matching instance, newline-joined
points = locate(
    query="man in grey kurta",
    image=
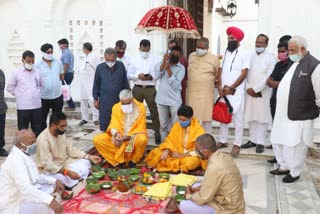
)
(110, 78)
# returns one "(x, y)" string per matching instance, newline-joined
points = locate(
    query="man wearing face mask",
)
(277, 74)
(221, 190)
(231, 83)
(177, 152)
(183, 61)
(51, 73)
(67, 60)
(24, 83)
(168, 95)
(57, 157)
(144, 76)
(125, 140)
(121, 47)
(86, 74)
(110, 78)
(298, 101)
(202, 70)
(257, 111)
(24, 189)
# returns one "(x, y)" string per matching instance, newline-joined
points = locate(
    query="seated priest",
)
(24, 189)
(177, 151)
(126, 137)
(221, 190)
(56, 155)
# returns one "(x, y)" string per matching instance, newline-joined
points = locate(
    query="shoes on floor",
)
(235, 150)
(289, 179)
(278, 172)
(96, 122)
(273, 160)
(3, 153)
(248, 145)
(82, 122)
(259, 148)
(222, 145)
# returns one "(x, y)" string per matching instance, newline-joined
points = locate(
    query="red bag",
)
(222, 112)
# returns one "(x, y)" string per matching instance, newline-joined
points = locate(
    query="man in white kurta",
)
(257, 107)
(231, 83)
(291, 138)
(23, 189)
(86, 74)
(57, 157)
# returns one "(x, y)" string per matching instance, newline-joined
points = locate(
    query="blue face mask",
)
(294, 57)
(31, 149)
(184, 124)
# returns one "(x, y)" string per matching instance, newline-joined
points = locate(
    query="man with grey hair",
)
(110, 78)
(125, 140)
(24, 189)
(202, 70)
(298, 101)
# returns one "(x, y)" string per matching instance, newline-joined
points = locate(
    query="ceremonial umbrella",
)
(175, 21)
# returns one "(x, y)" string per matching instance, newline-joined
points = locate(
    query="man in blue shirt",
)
(51, 73)
(168, 96)
(67, 60)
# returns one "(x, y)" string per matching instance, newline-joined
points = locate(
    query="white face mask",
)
(201, 52)
(260, 49)
(144, 54)
(47, 56)
(28, 66)
(110, 63)
(127, 108)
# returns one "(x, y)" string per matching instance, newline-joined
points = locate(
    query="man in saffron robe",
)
(177, 152)
(126, 137)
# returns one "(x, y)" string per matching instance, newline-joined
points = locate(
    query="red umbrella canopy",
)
(175, 21)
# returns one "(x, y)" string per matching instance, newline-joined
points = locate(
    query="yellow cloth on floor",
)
(159, 191)
(183, 180)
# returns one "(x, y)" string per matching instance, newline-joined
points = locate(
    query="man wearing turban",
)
(233, 71)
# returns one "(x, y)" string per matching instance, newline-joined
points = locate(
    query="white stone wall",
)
(27, 24)
(292, 17)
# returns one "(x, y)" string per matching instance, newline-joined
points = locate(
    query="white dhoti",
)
(81, 167)
(238, 118)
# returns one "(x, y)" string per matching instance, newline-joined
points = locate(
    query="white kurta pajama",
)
(86, 74)
(257, 109)
(290, 138)
(23, 189)
(232, 67)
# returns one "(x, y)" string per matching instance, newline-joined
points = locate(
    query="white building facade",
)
(27, 24)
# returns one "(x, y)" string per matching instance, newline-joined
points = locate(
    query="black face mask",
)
(59, 132)
(174, 59)
(232, 45)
